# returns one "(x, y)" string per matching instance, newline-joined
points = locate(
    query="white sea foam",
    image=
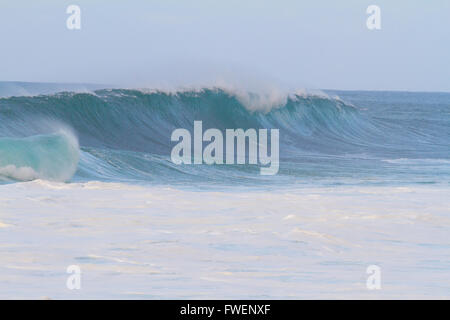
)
(168, 243)
(19, 173)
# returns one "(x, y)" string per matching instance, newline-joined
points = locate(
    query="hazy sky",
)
(314, 44)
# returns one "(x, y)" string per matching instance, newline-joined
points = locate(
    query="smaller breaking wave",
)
(51, 157)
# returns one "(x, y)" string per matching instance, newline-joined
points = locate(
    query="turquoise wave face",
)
(51, 157)
(125, 136)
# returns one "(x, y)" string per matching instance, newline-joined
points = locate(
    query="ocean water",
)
(86, 179)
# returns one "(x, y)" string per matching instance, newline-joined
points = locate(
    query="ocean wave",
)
(143, 121)
(51, 157)
(124, 134)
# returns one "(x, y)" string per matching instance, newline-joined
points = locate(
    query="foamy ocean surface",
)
(86, 179)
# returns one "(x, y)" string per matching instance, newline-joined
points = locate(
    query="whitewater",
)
(86, 179)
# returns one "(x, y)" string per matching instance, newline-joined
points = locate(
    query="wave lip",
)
(50, 157)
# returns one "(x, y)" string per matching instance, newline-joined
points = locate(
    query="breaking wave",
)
(125, 134)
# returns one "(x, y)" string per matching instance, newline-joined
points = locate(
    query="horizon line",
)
(117, 86)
